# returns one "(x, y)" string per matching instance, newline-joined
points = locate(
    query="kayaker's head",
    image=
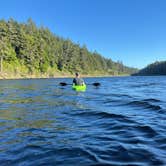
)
(77, 74)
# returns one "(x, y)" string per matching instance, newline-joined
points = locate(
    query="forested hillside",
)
(28, 49)
(157, 68)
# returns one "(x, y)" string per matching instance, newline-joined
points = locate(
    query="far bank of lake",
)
(57, 75)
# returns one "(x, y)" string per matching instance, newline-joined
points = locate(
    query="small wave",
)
(37, 154)
(125, 155)
(144, 104)
(143, 85)
(67, 155)
(100, 116)
(160, 140)
(121, 95)
(146, 130)
(152, 100)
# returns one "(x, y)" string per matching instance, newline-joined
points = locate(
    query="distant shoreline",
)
(16, 77)
(2, 77)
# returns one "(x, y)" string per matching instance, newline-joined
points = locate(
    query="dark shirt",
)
(78, 81)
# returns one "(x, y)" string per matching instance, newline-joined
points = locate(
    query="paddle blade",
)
(96, 84)
(62, 83)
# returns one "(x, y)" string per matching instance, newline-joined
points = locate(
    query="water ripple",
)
(122, 122)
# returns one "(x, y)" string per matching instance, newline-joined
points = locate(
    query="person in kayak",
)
(78, 80)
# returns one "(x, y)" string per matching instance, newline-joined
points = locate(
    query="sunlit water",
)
(122, 122)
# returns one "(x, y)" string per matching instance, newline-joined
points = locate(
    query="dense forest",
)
(28, 49)
(157, 68)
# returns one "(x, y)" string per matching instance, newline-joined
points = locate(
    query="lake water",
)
(122, 122)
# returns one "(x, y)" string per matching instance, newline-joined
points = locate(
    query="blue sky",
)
(133, 31)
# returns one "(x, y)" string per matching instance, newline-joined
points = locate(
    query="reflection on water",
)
(122, 122)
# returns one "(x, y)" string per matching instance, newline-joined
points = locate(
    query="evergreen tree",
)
(38, 50)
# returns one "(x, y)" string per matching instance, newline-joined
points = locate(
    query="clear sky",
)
(133, 31)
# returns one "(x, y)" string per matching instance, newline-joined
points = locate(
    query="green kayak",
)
(79, 87)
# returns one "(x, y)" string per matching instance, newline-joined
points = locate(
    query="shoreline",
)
(63, 75)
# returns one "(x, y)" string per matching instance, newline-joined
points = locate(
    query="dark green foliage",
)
(157, 68)
(39, 50)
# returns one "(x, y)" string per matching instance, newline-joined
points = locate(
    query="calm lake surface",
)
(122, 122)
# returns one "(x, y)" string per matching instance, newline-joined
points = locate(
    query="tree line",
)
(26, 48)
(156, 68)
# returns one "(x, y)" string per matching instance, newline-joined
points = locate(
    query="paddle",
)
(94, 84)
(64, 84)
